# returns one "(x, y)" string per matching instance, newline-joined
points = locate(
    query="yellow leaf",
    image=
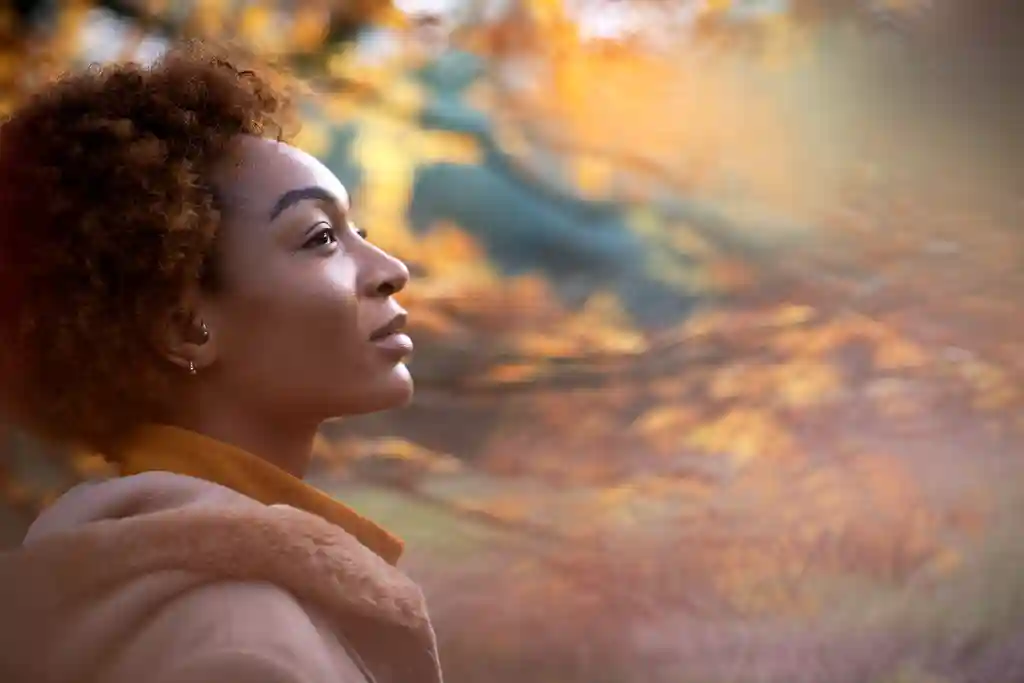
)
(546, 344)
(309, 26)
(404, 450)
(510, 138)
(314, 138)
(209, 17)
(531, 291)
(665, 427)
(792, 315)
(660, 418)
(616, 495)
(379, 149)
(342, 62)
(255, 22)
(405, 96)
(716, 6)
(743, 435)
(455, 264)
(445, 146)
(802, 384)
(592, 174)
(519, 372)
(898, 354)
(739, 380)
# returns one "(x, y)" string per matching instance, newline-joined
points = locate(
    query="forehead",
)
(261, 170)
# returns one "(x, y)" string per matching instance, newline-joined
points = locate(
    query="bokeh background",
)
(719, 320)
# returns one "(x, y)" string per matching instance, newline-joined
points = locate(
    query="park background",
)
(718, 313)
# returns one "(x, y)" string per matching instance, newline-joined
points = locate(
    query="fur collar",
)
(161, 448)
(312, 558)
(318, 562)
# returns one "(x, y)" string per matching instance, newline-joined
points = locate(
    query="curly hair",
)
(107, 219)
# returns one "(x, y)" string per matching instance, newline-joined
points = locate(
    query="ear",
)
(186, 337)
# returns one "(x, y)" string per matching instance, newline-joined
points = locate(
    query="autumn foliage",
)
(803, 474)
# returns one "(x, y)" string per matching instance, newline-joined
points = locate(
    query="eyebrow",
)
(292, 197)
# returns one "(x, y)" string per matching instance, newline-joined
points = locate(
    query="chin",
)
(392, 390)
(402, 387)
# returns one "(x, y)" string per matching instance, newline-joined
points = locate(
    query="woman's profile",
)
(188, 295)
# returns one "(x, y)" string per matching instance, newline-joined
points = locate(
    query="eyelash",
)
(316, 240)
(313, 242)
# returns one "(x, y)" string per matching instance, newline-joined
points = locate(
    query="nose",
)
(388, 275)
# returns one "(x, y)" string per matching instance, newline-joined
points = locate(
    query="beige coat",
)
(165, 578)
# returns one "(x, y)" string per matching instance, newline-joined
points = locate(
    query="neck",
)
(289, 447)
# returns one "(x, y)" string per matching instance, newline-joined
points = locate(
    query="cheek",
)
(299, 320)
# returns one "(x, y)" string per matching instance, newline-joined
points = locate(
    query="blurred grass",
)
(505, 611)
(428, 529)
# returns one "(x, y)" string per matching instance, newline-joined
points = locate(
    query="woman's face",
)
(304, 325)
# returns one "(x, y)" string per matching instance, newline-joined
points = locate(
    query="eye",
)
(322, 236)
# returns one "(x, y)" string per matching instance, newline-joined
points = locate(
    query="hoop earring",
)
(191, 368)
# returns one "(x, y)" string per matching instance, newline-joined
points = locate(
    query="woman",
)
(188, 295)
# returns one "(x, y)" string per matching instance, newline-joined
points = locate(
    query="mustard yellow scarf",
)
(171, 449)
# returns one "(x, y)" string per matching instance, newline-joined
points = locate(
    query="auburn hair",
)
(107, 218)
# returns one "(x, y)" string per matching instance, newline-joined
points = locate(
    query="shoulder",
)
(131, 496)
(235, 630)
(176, 571)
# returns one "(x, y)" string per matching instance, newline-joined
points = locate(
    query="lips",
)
(391, 340)
(394, 326)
